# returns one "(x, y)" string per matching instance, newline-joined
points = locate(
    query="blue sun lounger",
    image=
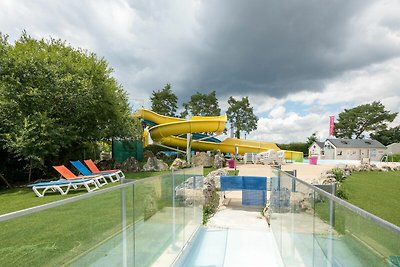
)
(62, 186)
(113, 176)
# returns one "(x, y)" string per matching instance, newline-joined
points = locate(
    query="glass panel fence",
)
(138, 223)
(314, 228)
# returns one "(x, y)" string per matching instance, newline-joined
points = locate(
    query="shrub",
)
(339, 174)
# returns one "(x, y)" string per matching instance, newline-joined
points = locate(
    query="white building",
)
(348, 149)
(393, 149)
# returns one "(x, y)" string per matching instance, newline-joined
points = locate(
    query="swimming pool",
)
(335, 161)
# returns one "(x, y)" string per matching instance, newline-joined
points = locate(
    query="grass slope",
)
(375, 192)
(56, 236)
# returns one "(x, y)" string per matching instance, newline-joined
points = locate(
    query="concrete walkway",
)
(238, 235)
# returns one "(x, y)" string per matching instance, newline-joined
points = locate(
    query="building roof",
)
(356, 143)
(320, 144)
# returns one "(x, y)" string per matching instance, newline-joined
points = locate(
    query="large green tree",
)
(367, 118)
(241, 114)
(311, 139)
(202, 105)
(54, 98)
(164, 101)
(388, 136)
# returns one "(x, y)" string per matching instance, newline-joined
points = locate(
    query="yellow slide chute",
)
(167, 130)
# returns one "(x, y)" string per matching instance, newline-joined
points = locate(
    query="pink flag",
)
(331, 125)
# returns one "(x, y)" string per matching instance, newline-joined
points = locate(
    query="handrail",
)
(365, 214)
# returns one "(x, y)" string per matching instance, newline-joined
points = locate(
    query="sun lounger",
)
(93, 168)
(42, 187)
(67, 174)
(113, 176)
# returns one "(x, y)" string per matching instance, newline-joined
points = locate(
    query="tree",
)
(388, 136)
(164, 101)
(241, 114)
(367, 118)
(54, 98)
(311, 139)
(202, 105)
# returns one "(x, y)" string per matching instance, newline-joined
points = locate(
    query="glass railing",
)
(315, 228)
(138, 223)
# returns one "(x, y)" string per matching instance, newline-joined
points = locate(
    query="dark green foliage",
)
(241, 114)
(202, 105)
(387, 136)
(301, 147)
(341, 193)
(369, 118)
(164, 101)
(311, 139)
(339, 174)
(54, 99)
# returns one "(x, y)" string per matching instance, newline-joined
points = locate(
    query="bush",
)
(341, 193)
(395, 158)
(339, 174)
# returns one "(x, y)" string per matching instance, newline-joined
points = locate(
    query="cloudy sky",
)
(298, 61)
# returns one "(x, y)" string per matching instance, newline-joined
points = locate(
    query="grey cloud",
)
(277, 47)
(258, 48)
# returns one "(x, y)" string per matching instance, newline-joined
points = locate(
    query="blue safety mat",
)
(253, 197)
(231, 183)
(243, 182)
(254, 183)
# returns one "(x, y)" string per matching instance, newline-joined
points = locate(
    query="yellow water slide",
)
(168, 129)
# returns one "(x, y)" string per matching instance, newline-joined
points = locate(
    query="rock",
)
(154, 164)
(148, 154)
(129, 165)
(329, 180)
(190, 190)
(210, 194)
(107, 164)
(178, 164)
(150, 206)
(202, 159)
(215, 177)
(219, 161)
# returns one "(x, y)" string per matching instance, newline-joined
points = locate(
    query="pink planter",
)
(231, 163)
(313, 160)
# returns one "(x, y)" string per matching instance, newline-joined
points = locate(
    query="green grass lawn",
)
(207, 170)
(56, 236)
(375, 192)
(23, 197)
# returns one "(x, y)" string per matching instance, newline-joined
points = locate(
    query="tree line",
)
(56, 103)
(366, 120)
(240, 113)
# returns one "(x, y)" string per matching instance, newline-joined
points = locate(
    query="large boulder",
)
(129, 165)
(148, 154)
(219, 160)
(178, 164)
(107, 164)
(215, 177)
(154, 164)
(202, 159)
